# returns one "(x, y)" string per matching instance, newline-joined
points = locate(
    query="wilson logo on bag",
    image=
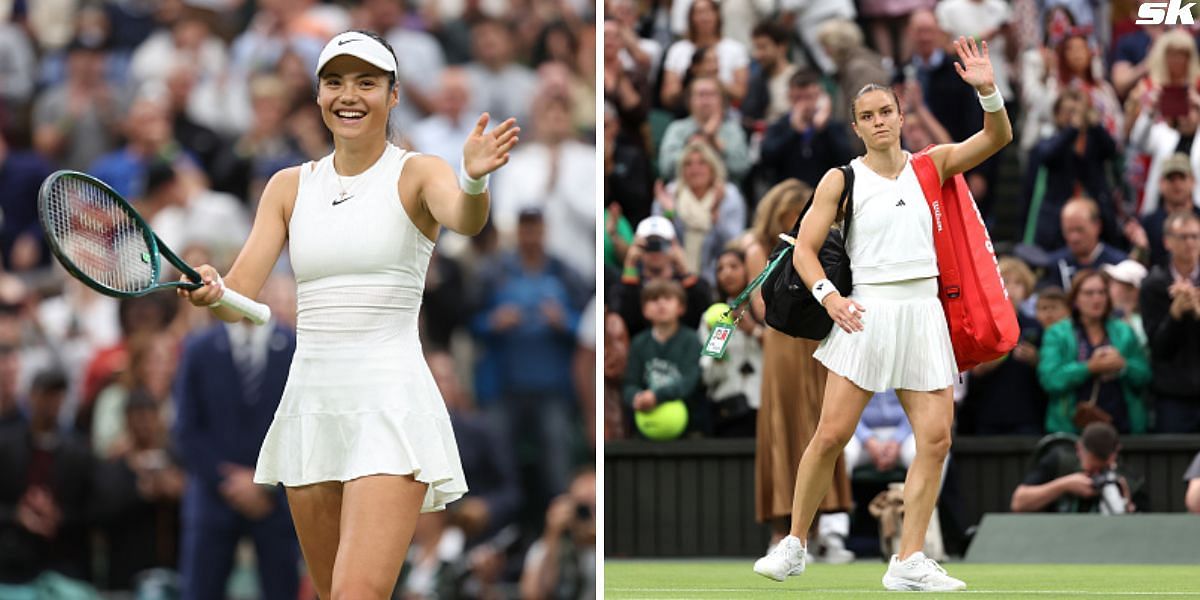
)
(983, 324)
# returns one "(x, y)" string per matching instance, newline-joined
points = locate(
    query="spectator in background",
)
(1171, 313)
(1176, 187)
(734, 381)
(886, 20)
(77, 121)
(46, 489)
(17, 76)
(22, 246)
(984, 20)
(856, 64)
(769, 96)
(487, 457)
(197, 139)
(500, 86)
(1047, 488)
(805, 142)
(664, 365)
(657, 255)
(951, 102)
(706, 122)
(562, 562)
(1004, 396)
(10, 373)
(265, 147)
(531, 304)
(1073, 161)
(616, 356)
(229, 383)
(136, 318)
(442, 132)
(707, 211)
(1163, 138)
(639, 56)
(1129, 60)
(704, 31)
(151, 366)
(547, 173)
(186, 38)
(628, 172)
(148, 135)
(423, 56)
(1084, 250)
(920, 128)
(626, 89)
(138, 493)
(1192, 476)
(444, 302)
(808, 17)
(1093, 358)
(1126, 279)
(1051, 306)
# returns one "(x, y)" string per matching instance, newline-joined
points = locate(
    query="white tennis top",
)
(360, 399)
(891, 230)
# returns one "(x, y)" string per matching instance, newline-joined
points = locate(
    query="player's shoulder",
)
(832, 182)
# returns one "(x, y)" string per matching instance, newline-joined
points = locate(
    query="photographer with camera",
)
(562, 563)
(657, 254)
(1086, 485)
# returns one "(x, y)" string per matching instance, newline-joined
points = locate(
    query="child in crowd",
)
(1052, 306)
(664, 364)
(734, 381)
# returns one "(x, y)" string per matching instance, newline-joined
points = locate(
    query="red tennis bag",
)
(983, 323)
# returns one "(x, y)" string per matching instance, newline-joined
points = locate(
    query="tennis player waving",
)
(891, 332)
(361, 440)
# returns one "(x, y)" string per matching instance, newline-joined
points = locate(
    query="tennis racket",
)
(102, 241)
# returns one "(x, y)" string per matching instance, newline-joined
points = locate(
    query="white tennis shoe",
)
(785, 560)
(919, 573)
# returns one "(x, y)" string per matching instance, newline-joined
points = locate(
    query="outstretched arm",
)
(454, 207)
(976, 70)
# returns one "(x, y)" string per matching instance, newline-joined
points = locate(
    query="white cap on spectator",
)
(655, 226)
(358, 45)
(1127, 271)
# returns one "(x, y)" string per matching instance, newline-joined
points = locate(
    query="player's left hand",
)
(975, 66)
(486, 152)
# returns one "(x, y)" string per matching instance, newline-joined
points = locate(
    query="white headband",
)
(360, 46)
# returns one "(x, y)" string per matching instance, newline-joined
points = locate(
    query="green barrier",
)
(1062, 538)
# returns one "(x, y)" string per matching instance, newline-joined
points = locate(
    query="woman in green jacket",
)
(1092, 355)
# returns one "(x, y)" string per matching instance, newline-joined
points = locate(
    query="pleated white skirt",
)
(362, 408)
(904, 344)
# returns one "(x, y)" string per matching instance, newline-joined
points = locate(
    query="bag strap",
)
(845, 202)
(931, 187)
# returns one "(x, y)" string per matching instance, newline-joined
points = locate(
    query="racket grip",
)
(257, 312)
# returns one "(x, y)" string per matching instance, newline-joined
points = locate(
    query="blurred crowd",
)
(721, 117)
(118, 419)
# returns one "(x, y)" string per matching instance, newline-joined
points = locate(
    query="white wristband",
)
(991, 102)
(821, 289)
(469, 185)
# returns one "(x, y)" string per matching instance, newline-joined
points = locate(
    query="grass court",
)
(734, 580)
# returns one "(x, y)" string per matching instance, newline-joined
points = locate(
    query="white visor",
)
(360, 46)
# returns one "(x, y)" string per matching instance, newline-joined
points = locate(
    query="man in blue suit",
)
(230, 379)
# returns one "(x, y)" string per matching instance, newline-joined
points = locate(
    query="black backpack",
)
(791, 307)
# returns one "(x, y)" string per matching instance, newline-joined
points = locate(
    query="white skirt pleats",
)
(904, 344)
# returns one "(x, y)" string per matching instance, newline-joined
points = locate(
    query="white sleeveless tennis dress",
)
(360, 399)
(905, 342)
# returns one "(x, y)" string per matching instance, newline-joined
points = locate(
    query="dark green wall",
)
(696, 497)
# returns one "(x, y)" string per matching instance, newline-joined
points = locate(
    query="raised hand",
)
(486, 152)
(975, 66)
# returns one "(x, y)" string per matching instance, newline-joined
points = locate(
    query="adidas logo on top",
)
(901, 202)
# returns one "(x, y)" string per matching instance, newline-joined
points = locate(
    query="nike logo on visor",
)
(344, 42)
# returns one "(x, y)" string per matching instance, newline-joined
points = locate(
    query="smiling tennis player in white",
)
(361, 440)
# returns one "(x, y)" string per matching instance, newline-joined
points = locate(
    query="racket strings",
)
(98, 236)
